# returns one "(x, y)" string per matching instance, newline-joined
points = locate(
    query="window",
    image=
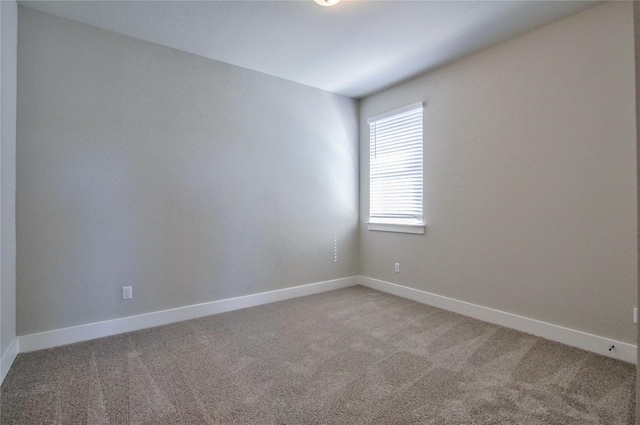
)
(395, 173)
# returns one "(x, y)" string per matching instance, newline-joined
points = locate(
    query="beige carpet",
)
(353, 356)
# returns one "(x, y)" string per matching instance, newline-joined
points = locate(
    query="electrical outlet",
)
(635, 314)
(396, 267)
(127, 292)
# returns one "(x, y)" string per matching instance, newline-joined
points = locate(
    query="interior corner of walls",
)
(8, 357)
(8, 123)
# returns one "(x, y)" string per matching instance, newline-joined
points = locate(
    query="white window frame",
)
(414, 225)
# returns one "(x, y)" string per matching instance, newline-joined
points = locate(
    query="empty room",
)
(319, 212)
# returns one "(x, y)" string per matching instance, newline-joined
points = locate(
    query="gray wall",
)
(8, 28)
(189, 179)
(636, 33)
(530, 177)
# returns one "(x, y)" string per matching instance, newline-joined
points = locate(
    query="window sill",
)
(416, 229)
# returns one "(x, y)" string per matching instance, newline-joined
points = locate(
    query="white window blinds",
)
(396, 166)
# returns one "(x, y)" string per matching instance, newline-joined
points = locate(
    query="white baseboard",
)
(572, 337)
(54, 338)
(8, 358)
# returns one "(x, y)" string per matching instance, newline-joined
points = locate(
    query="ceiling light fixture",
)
(327, 2)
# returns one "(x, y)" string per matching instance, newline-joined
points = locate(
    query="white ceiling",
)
(354, 48)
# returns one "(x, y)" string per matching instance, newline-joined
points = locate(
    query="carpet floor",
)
(351, 356)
